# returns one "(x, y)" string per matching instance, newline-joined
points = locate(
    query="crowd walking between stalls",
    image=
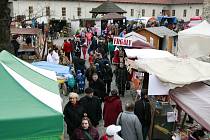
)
(95, 60)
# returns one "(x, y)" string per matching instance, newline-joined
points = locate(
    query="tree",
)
(5, 27)
(206, 10)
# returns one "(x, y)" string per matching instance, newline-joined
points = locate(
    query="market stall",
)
(194, 99)
(30, 103)
(194, 42)
(34, 48)
(179, 76)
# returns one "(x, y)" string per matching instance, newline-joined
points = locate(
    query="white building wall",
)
(39, 9)
(138, 9)
(191, 10)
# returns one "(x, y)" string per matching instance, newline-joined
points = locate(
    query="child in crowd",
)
(80, 79)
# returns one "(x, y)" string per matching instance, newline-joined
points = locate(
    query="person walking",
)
(86, 131)
(121, 74)
(98, 87)
(73, 113)
(112, 108)
(92, 105)
(107, 78)
(131, 126)
(143, 111)
(89, 73)
(67, 47)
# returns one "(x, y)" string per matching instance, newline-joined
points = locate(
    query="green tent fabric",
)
(23, 114)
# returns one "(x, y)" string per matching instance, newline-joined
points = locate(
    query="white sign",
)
(156, 87)
(120, 41)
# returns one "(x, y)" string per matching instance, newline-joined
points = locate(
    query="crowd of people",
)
(92, 73)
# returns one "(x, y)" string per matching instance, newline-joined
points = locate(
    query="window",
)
(197, 12)
(153, 12)
(173, 12)
(63, 11)
(132, 12)
(79, 10)
(185, 13)
(48, 11)
(143, 12)
(30, 10)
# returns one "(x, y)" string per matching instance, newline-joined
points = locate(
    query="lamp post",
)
(5, 20)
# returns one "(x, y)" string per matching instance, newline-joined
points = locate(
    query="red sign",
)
(120, 41)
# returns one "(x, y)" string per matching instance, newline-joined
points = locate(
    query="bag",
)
(128, 85)
(120, 123)
(87, 135)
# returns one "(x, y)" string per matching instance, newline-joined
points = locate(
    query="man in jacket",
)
(131, 126)
(92, 106)
(143, 111)
(121, 74)
(107, 78)
(98, 87)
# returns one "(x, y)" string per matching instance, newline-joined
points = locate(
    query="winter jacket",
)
(112, 108)
(107, 73)
(121, 77)
(131, 128)
(79, 134)
(143, 111)
(92, 106)
(99, 88)
(73, 116)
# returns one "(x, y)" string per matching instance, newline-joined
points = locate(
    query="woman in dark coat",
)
(112, 108)
(86, 131)
(121, 74)
(73, 113)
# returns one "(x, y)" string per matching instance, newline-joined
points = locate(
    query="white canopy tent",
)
(135, 36)
(147, 53)
(194, 42)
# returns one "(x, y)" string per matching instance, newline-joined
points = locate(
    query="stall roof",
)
(194, 99)
(112, 16)
(25, 31)
(161, 31)
(107, 7)
(138, 44)
(147, 53)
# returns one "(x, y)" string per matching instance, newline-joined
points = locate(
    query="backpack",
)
(71, 81)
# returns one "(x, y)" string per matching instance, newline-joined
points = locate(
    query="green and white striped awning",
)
(30, 105)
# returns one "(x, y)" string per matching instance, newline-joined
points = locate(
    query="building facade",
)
(74, 9)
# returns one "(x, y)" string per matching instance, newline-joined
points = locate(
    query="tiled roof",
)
(143, 1)
(151, 1)
(161, 31)
(25, 31)
(107, 7)
(112, 16)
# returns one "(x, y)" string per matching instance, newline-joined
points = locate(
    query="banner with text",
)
(120, 41)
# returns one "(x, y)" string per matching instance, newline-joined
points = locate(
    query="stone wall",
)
(206, 10)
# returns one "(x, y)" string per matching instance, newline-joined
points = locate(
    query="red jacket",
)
(112, 108)
(67, 47)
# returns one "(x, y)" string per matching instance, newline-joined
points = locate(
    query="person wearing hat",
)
(111, 133)
(112, 108)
